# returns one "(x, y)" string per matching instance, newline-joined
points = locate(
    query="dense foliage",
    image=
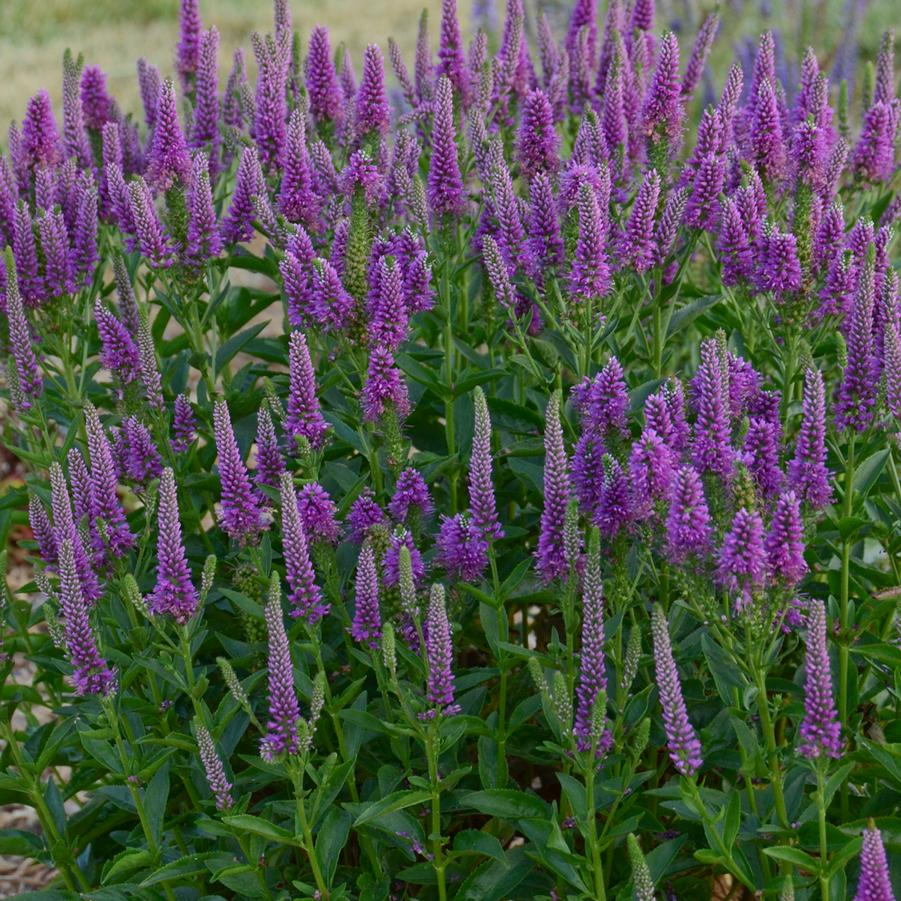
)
(484, 488)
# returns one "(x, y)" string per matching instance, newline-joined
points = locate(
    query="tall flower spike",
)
(75, 139)
(694, 68)
(169, 162)
(440, 656)
(204, 241)
(239, 515)
(481, 489)
(688, 530)
(820, 731)
(184, 425)
(25, 252)
(284, 710)
(451, 59)
(445, 188)
(304, 416)
(590, 273)
(322, 81)
(188, 51)
(119, 353)
(742, 558)
(538, 145)
(873, 157)
(85, 254)
(545, 250)
(40, 144)
(462, 548)
(681, 738)
(270, 463)
(92, 676)
(174, 594)
(28, 371)
(269, 128)
(304, 596)
(237, 224)
(96, 104)
(785, 541)
(388, 310)
(205, 122)
(384, 387)
(592, 665)
(297, 201)
(214, 770)
(104, 485)
(43, 532)
(875, 884)
(636, 247)
(372, 112)
(65, 529)
(411, 496)
(367, 622)
(150, 370)
(317, 512)
(155, 243)
(663, 110)
(551, 558)
(712, 450)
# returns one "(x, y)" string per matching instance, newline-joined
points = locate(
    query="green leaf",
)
(331, 839)
(127, 862)
(794, 856)
(234, 345)
(188, 865)
(495, 879)
(396, 801)
(472, 841)
(506, 803)
(156, 795)
(683, 317)
(245, 822)
(20, 843)
(866, 473)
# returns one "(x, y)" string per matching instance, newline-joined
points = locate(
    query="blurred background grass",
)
(114, 33)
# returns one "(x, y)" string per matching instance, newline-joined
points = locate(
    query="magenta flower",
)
(155, 243)
(589, 276)
(96, 104)
(65, 529)
(269, 129)
(366, 628)
(204, 241)
(636, 248)
(29, 380)
(662, 111)
(462, 548)
(364, 513)
(538, 144)
(297, 200)
(187, 53)
(440, 656)
(304, 595)
(451, 60)
(742, 558)
(326, 102)
(411, 496)
(873, 158)
(711, 450)
(875, 883)
(317, 513)
(785, 541)
(304, 417)
(820, 731)
(688, 529)
(270, 462)
(384, 388)
(184, 425)
(857, 393)
(169, 163)
(445, 188)
(136, 455)
(372, 114)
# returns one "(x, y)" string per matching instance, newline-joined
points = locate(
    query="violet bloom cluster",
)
(440, 657)
(820, 731)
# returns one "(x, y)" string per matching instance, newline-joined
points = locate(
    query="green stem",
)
(769, 734)
(824, 847)
(438, 862)
(309, 845)
(594, 848)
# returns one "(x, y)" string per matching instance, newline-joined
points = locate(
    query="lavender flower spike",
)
(590, 274)
(820, 731)
(92, 675)
(305, 597)
(205, 124)
(169, 163)
(304, 417)
(551, 559)
(28, 372)
(322, 81)
(174, 594)
(372, 113)
(204, 241)
(481, 490)
(184, 425)
(187, 53)
(681, 738)
(65, 529)
(807, 470)
(270, 463)
(637, 247)
(215, 772)
(445, 188)
(155, 244)
(538, 148)
(367, 623)
(875, 883)
(240, 515)
(592, 666)
(688, 522)
(440, 656)
(785, 541)
(284, 710)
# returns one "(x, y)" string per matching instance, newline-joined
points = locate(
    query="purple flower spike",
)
(688, 530)
(820, 732)
(712, 450)
(40, 145)
(364, 513)
(372, 113)
(155, 243)
(590, 274)
(873, 158)
(650, 471)
(445, 189)
(538, 141)
(284, 710)
(96, 104)
(681, 738)
(66, 529)
(734, 246)
(742, 558)
(91, 674)
(304, 416)
(28, 372)
(388, 310)
(85, 255)
(767, 145)
(104, 486)
(545, 250)
(875, 883)
(694, 68)
(169, 162)
(326, 103)
(384, 387)
(237, 224)
(205, 122)
(271, 104)
(761, 451)
(785, 541)
(270, 463)
(204, 241)
(149, 81)
(440, 656)
(187, 53)
(119, 353)
(366, 628)
(304, 596)
(240, 515)
(482, 503)
(779, 269)
(411, 496)
(215, 771)
(297, 201)
(184, 425)
(551, 559)
(592, 664)
(636, 247)
(138, 457)
(43, 532)
(451, 59)
(174, 594)
(857, 392)
(25, 252)
(317, 512)
(663, 110)
(75, 139)
(462, 548)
